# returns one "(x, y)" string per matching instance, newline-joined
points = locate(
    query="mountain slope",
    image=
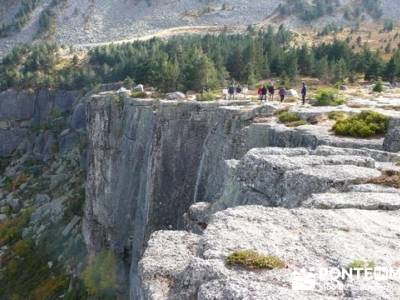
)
(74, 22)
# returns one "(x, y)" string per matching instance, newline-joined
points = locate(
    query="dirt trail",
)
(171, 32)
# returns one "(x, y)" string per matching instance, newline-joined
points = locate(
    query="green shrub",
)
(250, 259)
(100, 275)
(378, 87)
(11, 229)
(365, 124)
(287, 117)
(26, 274)
(360, 264)
(337, 115)
(128, 83)
(139, 95)
(328, 97)
(4, 162)
(290, 119)
(206, 96)
(55, 113)
(55, 148)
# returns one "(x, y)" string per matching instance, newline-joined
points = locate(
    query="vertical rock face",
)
(149, 160)
(392, 140)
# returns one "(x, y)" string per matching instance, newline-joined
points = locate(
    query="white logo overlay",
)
(307, 279)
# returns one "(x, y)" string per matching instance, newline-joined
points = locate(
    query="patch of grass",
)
(287, 117)
(26, 274)
(337, 115)
(206, 96)
(290, 119)
(328, 97)
(365, 124)
(50, 287)
(12, 185)
(56, 113)
(55, 148)
(100, 275)
(4, 162)
(139, 95)
(11, 229)
(251, 259)
(297, 123)
(280, 110)
(361, 264)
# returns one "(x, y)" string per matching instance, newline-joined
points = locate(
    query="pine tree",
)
(201, 74)
(170, 76)
(322, 69)
(339, 71)
(128, 83)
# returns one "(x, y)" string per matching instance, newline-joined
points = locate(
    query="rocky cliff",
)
(150, 160)
(172, 187)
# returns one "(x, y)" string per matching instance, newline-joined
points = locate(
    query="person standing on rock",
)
(231, 91)
(271, 91)
(282, 93)
(264, 93)
(259, 92)
(304, 93)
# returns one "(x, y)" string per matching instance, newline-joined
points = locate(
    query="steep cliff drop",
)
(150, 160)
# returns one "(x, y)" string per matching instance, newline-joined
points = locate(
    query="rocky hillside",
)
(91, 22)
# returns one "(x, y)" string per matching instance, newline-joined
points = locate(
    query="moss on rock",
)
(251, 259)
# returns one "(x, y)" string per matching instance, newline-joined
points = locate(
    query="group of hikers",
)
(268, 92)
(233, 90)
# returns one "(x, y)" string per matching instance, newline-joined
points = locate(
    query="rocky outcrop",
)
(308, 240)
(287, 177)
(23, 113)
(392, 140)
(333, 219)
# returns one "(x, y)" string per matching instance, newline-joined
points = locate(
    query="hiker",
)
(282, 93)
(259, 92)
(304, 93)
(264, 93)
(271, 91)
(238, 89)
(231, 92)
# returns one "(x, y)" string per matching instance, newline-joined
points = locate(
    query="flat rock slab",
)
(288, 176)
(303, 238)
(360, 200)
(160, 266)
